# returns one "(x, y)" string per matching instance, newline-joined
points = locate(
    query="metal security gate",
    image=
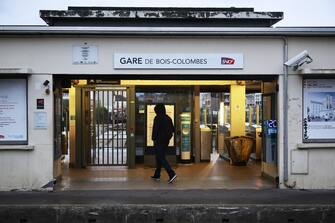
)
(105, 126)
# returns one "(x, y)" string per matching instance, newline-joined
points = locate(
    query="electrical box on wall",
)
(299, 162)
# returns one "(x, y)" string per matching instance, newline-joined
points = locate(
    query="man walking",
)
(162, 132)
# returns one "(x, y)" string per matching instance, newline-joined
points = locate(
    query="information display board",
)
(13, 111)
(319, 110)
(185, 146)
(150, 121)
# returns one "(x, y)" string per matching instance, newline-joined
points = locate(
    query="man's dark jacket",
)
(163, 128)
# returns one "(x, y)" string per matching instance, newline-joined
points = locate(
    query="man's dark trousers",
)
(161, 161)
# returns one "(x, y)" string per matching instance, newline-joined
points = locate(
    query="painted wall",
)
(54, 55)
(30, 169)
(313, 166)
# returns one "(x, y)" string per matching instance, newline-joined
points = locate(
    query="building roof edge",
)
(236, 31)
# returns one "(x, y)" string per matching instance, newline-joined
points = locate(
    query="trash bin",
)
(206, 143)
(240, 150)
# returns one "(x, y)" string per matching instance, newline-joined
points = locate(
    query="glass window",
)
(13, 111)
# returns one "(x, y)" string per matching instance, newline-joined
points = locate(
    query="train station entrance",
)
(225, 132)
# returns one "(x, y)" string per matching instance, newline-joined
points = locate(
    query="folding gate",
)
(105, 126)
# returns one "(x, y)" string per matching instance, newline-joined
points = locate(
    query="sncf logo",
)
(227, 60)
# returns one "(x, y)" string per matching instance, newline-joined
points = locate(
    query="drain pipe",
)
(285, 113)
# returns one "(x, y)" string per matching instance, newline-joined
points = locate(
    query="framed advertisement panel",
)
(13, 111)
(319, 110)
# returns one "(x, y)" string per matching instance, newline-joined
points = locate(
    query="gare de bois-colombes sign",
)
(178, 61)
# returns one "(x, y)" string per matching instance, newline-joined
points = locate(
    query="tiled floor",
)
(217, 174)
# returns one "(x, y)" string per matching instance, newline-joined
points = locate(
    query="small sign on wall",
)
(84, 54)
(40, 103)
(40, 120)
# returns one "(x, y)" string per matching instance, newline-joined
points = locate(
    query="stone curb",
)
(195, 213)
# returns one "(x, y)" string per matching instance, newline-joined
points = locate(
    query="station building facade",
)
(113, 64)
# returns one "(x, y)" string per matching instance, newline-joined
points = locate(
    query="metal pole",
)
(108, 120)
(285, 117)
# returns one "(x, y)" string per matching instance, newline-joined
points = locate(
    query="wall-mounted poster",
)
(319, 110)
(13, 111)
(150, 121)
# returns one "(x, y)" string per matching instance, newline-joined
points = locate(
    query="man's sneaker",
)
(172, 179)
(155, 178)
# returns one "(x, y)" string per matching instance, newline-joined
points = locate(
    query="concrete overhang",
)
(22, 71)
(178, 17)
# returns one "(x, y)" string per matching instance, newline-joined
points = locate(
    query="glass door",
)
(269, 132)
(269, 129)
